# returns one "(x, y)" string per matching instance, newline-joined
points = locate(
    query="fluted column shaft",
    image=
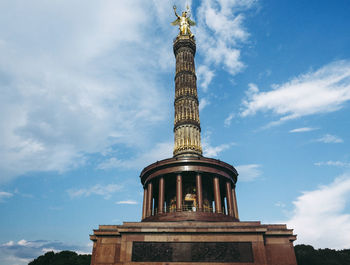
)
(199, 190)
(149, 199)
(217, 195)
(229, 198)
(161, 195)
(144, 206)
(178, 192)
(235, 208)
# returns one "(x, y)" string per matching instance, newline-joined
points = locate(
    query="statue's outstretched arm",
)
(188, 11)
(174, 7)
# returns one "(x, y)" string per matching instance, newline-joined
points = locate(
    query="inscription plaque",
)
(192, 252)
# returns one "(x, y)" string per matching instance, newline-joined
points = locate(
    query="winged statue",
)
(184, 22)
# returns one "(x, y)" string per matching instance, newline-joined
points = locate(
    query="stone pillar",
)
(229, 198)
(144, 206)
(186, 123)
(223, 206)
(179, 192)
(161, 195)
(235, 208)
(149, 199)
(199, 192)
(217, 196)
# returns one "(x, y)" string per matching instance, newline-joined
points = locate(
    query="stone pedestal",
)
(161, 243)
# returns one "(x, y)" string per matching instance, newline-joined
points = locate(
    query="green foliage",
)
(307, 255)
(62, 258)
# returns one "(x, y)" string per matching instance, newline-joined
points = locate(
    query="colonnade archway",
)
(206, 194)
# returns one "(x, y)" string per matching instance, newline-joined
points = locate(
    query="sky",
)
(87, 90)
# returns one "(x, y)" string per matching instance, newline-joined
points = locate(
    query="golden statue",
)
(184, 22)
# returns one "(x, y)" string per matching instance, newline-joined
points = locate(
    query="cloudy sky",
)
(87, 101)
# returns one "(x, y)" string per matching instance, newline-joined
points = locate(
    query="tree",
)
(62, 258)
(307, 255)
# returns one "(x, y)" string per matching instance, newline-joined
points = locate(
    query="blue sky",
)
(87, 101)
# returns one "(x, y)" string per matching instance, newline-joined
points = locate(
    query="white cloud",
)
(333, 163)
(280, 204)
(265, 73)
(252, 89)
(159, 152)
(5, 195)
(111, 163)
(8, 244)
(220, 31)
(324, 90)
(213, 151)
(204, 75)
(303, 129)
(103, 190)
(127, 202)
(248, 172)
(228, 120)
(67, 87)
(23, 242)
(319, 217)
(330, 139)
(203, 103)
(23, 251)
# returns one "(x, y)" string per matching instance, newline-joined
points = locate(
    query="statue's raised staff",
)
(184, 22)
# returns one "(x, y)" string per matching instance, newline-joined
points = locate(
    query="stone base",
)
(204, 243)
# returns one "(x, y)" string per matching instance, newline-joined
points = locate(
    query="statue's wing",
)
(191, 22)
(176, 22)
